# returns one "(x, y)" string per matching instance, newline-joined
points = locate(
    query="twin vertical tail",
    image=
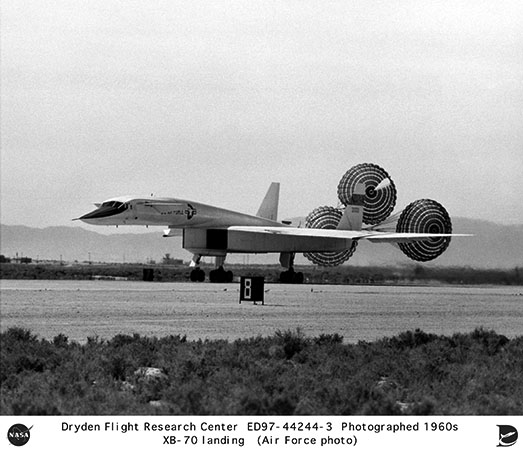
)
(269, 206)
(332, 218)
(352, 217)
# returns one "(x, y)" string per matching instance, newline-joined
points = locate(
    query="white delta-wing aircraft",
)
(367, 196)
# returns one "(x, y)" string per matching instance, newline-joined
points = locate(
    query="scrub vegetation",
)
(285, 374)
(407, 274)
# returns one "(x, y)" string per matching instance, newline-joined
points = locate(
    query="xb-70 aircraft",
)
(367, 197)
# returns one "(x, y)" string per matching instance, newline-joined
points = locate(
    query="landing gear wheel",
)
(291, 277)
(197, 275)
(213, 276)
(219, 275)
(285, 277)
(298, 278)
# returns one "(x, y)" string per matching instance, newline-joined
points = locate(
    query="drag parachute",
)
(327, 217)
(380, 191)
(420, 216)
(424, 216)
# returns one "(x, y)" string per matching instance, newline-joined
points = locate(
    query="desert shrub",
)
(287, 373)
(291, 342)
(18, 335)
(60, 340)
(328, 339)
(409, 339)
(424, 407)
(489, 339)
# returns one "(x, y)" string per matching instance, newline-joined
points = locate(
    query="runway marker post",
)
(251, 289)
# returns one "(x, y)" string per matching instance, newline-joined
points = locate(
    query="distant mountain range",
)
(493, 246)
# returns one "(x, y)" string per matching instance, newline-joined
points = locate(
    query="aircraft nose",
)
(98, 213)
(106, 209)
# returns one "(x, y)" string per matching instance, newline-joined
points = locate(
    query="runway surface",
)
(80, 309)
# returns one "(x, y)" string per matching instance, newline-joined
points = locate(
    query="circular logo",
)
(18, 434)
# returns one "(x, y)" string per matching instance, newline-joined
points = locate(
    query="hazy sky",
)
(213, 100)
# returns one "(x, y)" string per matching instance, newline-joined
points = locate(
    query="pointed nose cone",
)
(96, 214)
(100, 213)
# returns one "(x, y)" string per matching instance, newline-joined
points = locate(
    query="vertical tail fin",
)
(353, 215)
(269, 206)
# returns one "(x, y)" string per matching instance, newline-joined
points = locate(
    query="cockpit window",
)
(116, 205)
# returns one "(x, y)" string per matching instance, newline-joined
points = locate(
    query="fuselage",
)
(169, 212)
(422, 231)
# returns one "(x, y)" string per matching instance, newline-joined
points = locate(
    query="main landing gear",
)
(289, 276)
(218, 275)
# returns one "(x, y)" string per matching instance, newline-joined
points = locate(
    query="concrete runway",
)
(80, 309)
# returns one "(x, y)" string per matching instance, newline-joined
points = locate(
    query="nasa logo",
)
(190, 212)
(508, 435)
(18, 435)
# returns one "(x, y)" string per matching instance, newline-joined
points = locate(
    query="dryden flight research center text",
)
(240, 432)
